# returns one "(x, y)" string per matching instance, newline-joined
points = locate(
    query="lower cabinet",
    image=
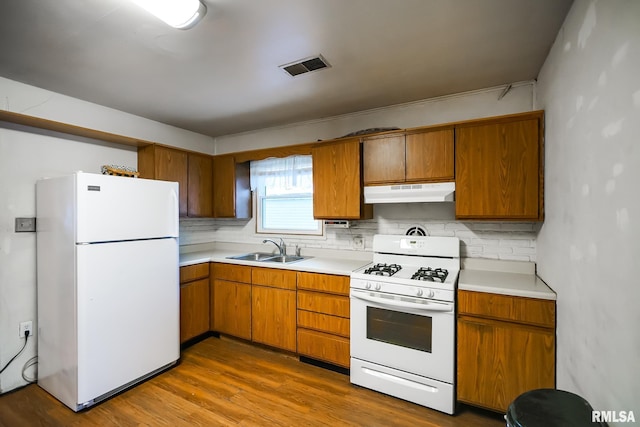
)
(506, 346)
(273, 307)
(323, 317)
(231, 300)
(194, 301)
(304, 313)
(255, 303)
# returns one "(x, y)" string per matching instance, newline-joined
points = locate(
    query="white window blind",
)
(284, 188)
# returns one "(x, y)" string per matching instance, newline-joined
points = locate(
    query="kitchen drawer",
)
(232, 273)
(323, 323)
(325, 347)
(193, 272)
(323, 303)
(324, 283)
(273, 277)
(529, 311)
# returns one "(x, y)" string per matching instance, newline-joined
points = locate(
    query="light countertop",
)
(504, 277)
(328, 262)
(480, 275)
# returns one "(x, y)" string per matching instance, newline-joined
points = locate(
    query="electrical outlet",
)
(358, 242)
(25, 225)
(25, 326)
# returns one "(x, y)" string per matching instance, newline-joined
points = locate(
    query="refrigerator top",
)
(105, 208)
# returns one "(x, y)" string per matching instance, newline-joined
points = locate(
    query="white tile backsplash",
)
(495, 240)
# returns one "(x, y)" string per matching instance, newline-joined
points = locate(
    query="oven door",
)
(410, 334)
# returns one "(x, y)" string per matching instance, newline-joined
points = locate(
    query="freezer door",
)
(113, 208)
(127, 312)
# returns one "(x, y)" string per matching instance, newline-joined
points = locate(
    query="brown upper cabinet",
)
(499, 168)
(192, 171)
(337, 181)
(424, 155)
(165, 164)
(210, 186)
(231, 189)
(200, 184)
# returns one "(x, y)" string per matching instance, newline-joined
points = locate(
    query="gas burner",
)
(383, 269)
(431, 274)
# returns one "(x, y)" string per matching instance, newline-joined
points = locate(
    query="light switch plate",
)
(25, 225)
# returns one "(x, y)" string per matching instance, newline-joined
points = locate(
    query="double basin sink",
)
(265, 257)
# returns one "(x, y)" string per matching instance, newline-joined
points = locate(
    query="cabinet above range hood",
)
(410, 193)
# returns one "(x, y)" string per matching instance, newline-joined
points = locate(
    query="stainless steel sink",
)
(254, 256)
(266, 257)
(284, 258)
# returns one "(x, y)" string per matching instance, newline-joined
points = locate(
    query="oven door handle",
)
(403, 304)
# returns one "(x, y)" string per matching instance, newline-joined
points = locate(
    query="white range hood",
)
(410, 193)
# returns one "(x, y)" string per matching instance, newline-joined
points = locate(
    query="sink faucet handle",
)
(283, 247)
(297, 250)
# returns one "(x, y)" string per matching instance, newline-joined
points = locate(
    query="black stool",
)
(549, 408)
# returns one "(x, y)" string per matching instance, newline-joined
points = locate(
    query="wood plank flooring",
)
(223, 382)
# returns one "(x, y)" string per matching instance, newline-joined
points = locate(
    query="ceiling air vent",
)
(305, 65)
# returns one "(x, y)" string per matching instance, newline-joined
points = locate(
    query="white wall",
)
(589, 244)
(451, 108)
(507, 241)
(33, 101)
(28, 154)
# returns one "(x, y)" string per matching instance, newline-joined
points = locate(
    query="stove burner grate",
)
(383, 269)
(431, 274)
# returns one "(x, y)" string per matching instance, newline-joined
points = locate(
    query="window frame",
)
(260, 196)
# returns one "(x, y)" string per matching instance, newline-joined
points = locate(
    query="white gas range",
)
(403, 319)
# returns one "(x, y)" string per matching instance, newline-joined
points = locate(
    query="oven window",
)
(403, 329)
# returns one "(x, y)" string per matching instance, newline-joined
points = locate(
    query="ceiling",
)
(223, 77)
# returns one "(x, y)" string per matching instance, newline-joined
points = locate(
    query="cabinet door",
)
(231, 189)
(194, 309)
(325, 347)
(273, 317)
(165, 164)
(337, 182)
(224, 178)
(384, 159)
(429, 156)
(498, 171)
(498, 361)
(232, 308)
(200, 184)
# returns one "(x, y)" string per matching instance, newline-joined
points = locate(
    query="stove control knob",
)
(419, 293)
(431, 294)
(378, 286)
(368, 285)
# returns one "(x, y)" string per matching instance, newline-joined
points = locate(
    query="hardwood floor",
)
(222, 382)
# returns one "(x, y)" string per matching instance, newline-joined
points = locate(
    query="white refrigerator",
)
(107, 284)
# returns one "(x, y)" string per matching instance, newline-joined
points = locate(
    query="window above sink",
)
(284, 191)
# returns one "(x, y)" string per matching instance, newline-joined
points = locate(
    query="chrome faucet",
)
(281, 247)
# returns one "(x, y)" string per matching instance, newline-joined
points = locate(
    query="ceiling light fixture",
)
(182, 14)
